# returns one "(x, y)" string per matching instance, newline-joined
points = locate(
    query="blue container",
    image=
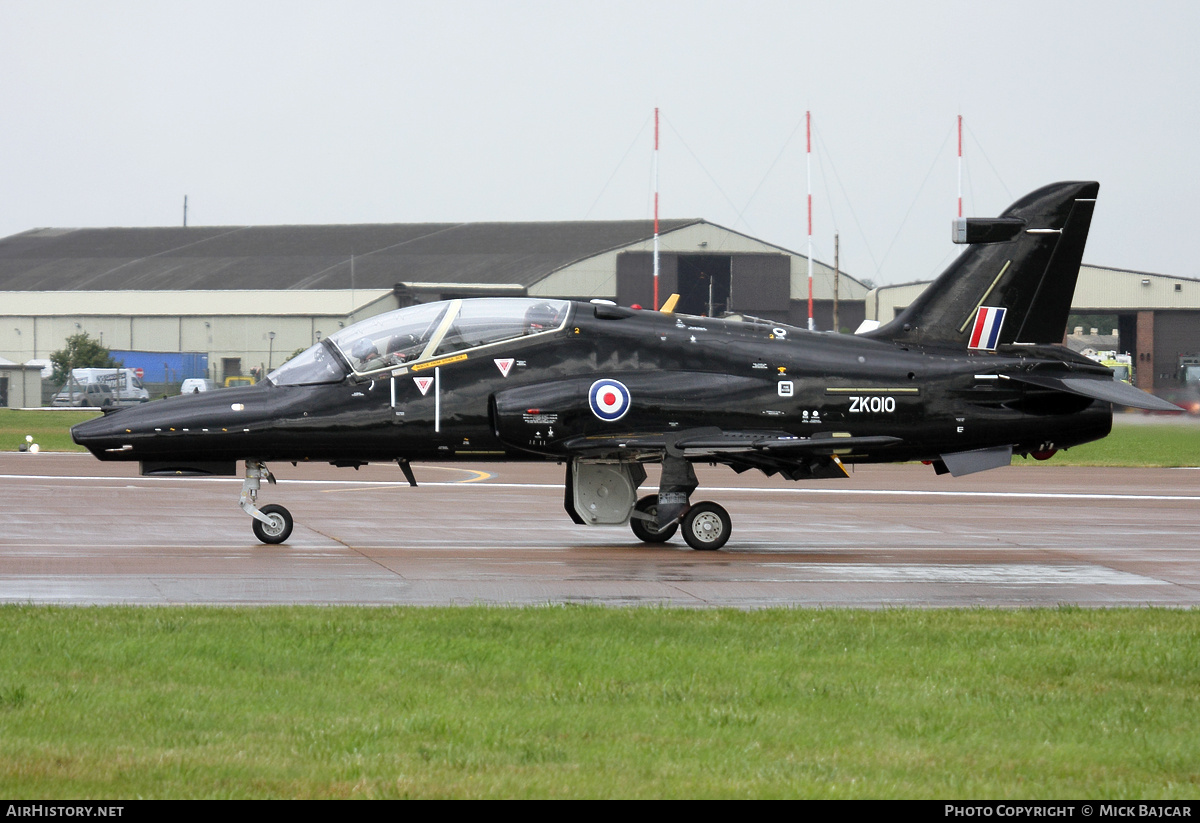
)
(164, 366)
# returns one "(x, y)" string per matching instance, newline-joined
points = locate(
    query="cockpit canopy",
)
(418, 333)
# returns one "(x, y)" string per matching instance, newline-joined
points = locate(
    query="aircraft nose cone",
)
(169, 425)
(105, 436)
(99, 427)
(226, 424)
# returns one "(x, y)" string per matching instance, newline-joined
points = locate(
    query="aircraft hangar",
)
(1156, 318)
(244, 298)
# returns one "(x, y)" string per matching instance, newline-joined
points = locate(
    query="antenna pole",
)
(656, 208)
(836, 328)
(808, 169)
(960, 165)
(185, 211)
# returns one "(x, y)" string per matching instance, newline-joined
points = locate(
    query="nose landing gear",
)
(272, 523)
(278, 526)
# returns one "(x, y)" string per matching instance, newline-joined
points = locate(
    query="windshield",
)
(432, 330)
(390, 339)
(315, 365)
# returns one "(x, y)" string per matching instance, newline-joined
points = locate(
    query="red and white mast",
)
(960, 165)
(656, 208)
(808, 168)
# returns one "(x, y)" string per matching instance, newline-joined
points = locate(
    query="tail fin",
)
(1014, 284)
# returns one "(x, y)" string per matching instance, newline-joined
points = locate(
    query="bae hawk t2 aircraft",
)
(967, 376)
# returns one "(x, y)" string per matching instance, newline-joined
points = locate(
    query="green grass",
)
(50, 428)
(591, 702)
(1135, 444)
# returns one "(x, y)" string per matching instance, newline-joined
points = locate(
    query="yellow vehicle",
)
(1121, 364)
(1122, 371)
(239, 380)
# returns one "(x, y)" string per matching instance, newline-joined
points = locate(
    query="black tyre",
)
(280, 527)
(706, 527)
(647, 530)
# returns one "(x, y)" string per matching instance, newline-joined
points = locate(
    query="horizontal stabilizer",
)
(1111, 391)
(977, 460)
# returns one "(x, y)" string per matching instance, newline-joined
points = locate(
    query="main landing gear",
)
(645, 527)
(272, 523)
(706, 526)
(603, 492)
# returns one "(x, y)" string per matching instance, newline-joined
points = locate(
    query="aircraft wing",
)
(709, 442)
(769, 451)
(1098, 388)
(824, 445)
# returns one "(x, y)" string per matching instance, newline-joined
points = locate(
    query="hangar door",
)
(708, 284)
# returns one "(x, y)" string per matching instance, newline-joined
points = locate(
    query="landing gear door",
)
(603, 493)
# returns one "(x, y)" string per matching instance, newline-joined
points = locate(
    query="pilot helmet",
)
(541, 317)
(364, 349)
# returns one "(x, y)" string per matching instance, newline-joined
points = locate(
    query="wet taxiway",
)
(78, 531)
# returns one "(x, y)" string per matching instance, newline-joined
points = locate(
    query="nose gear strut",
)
(272, 523)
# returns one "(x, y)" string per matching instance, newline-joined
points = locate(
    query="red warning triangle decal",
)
(423, 383)
(503, 364)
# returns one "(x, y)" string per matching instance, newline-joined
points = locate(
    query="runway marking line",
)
(477, 482)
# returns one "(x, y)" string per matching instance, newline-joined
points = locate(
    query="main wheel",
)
(706, 527)
(280, 527)
(647, 530)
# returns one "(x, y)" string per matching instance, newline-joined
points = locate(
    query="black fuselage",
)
(682, 373)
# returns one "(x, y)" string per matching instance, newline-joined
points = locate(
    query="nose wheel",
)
(278, 526)
(272, 523)
(706, 527)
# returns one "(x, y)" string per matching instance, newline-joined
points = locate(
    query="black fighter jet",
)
(967, 376)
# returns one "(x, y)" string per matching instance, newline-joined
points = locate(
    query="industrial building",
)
(242, 299)
(1157, 318)
(20, 386)
(219, 302)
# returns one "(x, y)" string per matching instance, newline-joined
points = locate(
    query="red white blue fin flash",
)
(986, 333)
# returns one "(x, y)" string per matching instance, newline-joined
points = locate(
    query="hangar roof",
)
(307, 257)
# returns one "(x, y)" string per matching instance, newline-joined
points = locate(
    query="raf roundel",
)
(609, 399)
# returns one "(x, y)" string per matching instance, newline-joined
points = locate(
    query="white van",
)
(125, 385)
(195, 385)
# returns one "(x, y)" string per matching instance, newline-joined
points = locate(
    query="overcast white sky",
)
(347, 112)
